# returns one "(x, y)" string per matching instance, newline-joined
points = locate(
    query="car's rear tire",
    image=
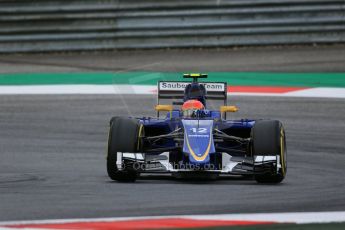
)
(123, 137)
(269, 140)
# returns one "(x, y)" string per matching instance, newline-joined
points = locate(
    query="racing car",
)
(190, 139)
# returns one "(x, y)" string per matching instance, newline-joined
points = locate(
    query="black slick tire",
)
(269, 140)
(123, 137)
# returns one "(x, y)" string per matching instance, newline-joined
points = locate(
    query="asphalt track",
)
(324, 58)
(52, 161)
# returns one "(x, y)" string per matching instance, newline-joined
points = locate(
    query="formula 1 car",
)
(194, 140)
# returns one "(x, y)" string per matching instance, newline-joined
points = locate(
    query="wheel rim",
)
(283, 152)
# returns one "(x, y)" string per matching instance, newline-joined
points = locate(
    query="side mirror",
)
(167, 108)
(231, 109)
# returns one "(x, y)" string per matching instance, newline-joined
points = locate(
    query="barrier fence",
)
(63, 25)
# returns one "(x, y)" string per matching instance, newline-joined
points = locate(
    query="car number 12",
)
(198, 130)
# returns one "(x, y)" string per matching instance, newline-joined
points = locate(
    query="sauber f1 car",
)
(193, 140)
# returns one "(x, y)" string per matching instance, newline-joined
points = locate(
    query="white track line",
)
(321, 92)
(77, 89)
(298, 218)
(293, 217)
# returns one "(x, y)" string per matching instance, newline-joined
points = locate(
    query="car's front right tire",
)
(123, 137)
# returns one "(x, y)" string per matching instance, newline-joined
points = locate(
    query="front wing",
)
(234, 165)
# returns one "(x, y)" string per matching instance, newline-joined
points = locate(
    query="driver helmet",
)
(190, 108)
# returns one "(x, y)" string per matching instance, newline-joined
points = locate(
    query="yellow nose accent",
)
(203, 157)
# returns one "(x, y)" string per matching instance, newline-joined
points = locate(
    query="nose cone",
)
(198, 140)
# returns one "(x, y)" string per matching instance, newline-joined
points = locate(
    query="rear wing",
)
(175, 90)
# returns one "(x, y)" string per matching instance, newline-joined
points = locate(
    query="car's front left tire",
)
(268, 138)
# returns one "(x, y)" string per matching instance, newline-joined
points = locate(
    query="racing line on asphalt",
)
(53, 161)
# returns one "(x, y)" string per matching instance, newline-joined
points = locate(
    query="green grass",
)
(151, 78)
